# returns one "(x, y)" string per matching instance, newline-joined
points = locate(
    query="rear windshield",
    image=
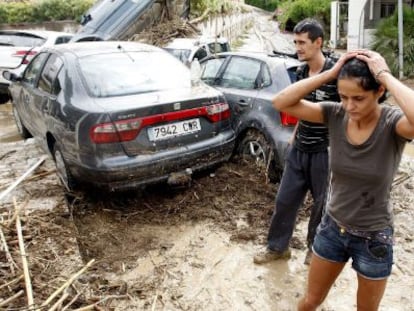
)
(218, 47)
(127, 73)
(20, 39)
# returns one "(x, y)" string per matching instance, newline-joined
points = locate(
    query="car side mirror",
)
(10, 76)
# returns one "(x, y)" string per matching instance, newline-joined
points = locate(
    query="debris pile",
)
(162, 33)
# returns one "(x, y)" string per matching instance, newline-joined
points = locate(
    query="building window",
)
(387, 9)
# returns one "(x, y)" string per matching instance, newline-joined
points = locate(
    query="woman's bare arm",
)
(404, 96)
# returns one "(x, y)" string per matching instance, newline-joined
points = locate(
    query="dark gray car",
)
(120, 114)
(249, 81)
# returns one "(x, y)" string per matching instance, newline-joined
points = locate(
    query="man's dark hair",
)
(310, 26)
(355, 68)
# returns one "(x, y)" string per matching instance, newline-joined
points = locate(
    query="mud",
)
(172, 248)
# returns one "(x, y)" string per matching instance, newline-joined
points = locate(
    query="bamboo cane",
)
(27, 281)
(67, 283)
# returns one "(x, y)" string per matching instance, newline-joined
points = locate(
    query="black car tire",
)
(4, 98)
(62, 169)
(255, 146)
(24, 133)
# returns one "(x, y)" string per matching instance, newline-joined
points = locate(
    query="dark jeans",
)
(303, 171)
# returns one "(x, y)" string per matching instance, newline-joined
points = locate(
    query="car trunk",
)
(9, 56)
(166, 120)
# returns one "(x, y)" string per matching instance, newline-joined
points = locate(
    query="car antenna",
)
(119, 47)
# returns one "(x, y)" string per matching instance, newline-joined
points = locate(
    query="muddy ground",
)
(167, 248)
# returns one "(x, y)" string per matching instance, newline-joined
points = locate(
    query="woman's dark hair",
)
(355, 68)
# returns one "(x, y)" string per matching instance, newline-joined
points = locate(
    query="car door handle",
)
(243, 103)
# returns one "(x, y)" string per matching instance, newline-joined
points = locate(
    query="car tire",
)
(4, 98)
(254, 146)
(24, 133)
(62, 170)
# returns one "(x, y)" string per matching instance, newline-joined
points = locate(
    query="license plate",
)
(174, 129)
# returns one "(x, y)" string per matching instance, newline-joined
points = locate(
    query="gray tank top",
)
(359, 194)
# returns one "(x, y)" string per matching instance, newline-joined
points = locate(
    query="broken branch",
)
(67, 283)
(19, 180)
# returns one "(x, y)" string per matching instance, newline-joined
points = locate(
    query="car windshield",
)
(126, 73)
(20, 39)
(182, 54)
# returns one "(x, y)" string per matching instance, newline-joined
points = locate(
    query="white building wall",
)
(356, 17)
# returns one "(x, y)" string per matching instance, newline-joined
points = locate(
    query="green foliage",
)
(386, 41)
(294, 11)
(43, 10)
(17, 12)
(268, 5)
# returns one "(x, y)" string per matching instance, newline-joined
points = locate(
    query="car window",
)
(200, 54)
(49, 73)
(62, 39)
(210, 68)
(216, 47)
(267, 80)
(34, 68)
(241, 73)
(293, 74)
(133, 73)
(20, 39)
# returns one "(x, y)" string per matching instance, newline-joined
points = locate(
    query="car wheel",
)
(24, 133)
(4, 98)
(62, 170)
(254, 146)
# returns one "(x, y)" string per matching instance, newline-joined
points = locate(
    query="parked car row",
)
(17, 48)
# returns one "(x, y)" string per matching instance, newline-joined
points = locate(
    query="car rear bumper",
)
(144, 170)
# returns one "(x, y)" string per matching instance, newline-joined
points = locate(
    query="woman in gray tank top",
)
(364, 135)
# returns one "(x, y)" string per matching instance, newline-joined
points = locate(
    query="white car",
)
(188, 49)
(17, 48)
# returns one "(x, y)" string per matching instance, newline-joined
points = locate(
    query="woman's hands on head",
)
(376, 63)
(341, 61)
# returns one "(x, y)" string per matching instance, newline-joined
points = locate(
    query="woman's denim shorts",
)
(371, 251)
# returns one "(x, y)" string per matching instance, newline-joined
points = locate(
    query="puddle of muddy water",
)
(202, 269)
(205, 271)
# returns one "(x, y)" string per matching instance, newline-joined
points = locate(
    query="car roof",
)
(189, 43)
(87, 48)
(38, 33)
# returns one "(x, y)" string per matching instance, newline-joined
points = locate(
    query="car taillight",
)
(124, 130)
(127, 130)
(26, 55)
(218, 112)
(287, 120)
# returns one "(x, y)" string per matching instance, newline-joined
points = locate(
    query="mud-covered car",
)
(188, 49)
(17, 48)
(249, 81)
(119, 115)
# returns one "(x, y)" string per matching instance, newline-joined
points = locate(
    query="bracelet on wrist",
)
(380, 72)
